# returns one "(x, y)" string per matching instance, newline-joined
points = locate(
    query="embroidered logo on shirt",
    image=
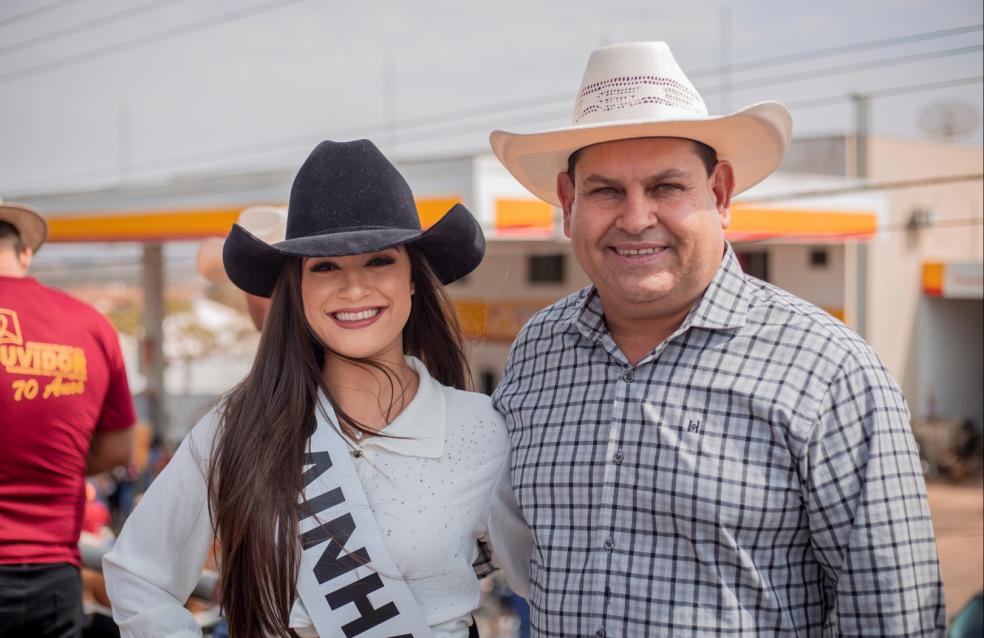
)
(693, 425)
(66, 364)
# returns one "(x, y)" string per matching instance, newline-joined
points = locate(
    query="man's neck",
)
(637, 336)
(10, 264)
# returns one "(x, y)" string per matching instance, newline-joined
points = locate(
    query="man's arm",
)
(510, 536)
(109, 449)
(868, 513)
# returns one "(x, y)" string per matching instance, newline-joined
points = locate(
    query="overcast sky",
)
(100, 92)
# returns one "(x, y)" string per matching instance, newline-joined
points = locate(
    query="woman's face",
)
(358, 305)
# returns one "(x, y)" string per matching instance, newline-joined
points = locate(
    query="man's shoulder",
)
(796, 322)
(61, 301)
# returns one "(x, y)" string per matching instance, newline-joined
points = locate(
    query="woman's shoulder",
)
(201, 439)
(472, 401)
(476, 408)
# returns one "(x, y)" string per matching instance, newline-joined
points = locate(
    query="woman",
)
(348, 477)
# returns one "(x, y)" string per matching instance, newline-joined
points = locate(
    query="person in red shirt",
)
(65, 412)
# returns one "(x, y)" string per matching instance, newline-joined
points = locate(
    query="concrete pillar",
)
(152, 348)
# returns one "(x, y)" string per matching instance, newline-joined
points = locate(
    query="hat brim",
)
(30, 224)
(454, 247)
(753, 139)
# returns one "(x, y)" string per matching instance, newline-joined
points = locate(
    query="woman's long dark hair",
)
(255, 473)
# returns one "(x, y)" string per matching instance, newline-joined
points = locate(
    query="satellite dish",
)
(949, 120)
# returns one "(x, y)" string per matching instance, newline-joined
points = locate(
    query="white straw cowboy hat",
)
(638, 90)
(268, 223)
(30, 224)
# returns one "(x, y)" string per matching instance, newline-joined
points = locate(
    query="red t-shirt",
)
(61, 379)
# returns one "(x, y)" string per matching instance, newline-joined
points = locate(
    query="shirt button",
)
(627, 376)
(600, 633)
(619, 456)
(609, 543)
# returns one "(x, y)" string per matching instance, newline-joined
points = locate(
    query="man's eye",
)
(669, 187)
(604, 190)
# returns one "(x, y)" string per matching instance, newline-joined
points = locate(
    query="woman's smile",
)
(355, 318)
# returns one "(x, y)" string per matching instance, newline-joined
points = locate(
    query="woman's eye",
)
(381, 261)
(323, 266)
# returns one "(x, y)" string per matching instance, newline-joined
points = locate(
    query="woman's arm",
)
(158, 557)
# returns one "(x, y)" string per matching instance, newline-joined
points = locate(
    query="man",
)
(268, 223)
(65, 411)
(698, 452)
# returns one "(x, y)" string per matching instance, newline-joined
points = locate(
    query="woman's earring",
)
(412, 290)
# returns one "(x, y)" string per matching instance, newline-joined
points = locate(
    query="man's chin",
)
(638, 296)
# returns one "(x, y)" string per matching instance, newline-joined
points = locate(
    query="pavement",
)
(958, 520)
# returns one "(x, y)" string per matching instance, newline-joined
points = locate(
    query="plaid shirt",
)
(754, 475)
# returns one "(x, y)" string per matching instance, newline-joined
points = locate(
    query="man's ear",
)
(24, 258)
(565, 193)
(723, 187)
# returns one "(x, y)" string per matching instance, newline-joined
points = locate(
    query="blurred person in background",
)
(65, 412)
(266, 223)
(350, 461)
(699, 452)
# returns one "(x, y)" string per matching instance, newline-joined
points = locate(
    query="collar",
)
(722, 306)
(725, 303)
(420, 429)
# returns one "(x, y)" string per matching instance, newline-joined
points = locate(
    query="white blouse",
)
(431, 492)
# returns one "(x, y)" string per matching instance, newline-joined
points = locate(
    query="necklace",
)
(358, 434)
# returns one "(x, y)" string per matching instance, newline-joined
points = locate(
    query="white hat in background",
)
(268, 223)
(638, 90)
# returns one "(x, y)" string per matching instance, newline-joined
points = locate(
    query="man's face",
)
(646, 222)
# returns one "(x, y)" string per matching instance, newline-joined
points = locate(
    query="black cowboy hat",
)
(348, 199)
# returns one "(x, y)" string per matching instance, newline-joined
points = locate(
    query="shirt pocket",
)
(726, 472)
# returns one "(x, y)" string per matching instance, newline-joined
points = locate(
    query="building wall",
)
(950, 369)
(790, 269)
(897, 255)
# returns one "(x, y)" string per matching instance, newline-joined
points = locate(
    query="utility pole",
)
(152, 347)
(861, 131)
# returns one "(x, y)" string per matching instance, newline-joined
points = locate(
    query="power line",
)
(36, 11)
(149, 39)
(889, 92)
(101, 21)
(868, 186)
(285, 144)
(941, 223)
(833, 51)
(844, 68)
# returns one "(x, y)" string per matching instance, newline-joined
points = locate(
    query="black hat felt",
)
(348, 199)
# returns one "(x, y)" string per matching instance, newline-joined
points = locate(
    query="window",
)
(546, 269)
(487, 381)
(818, 257)
(755, 263)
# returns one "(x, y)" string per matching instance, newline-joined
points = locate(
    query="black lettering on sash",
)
(332, 563)
(322, 502)
(358, 593)
(321, 462)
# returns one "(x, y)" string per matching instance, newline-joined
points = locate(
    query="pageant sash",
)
(348, 580)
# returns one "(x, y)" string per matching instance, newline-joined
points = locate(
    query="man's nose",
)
(638, 213)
